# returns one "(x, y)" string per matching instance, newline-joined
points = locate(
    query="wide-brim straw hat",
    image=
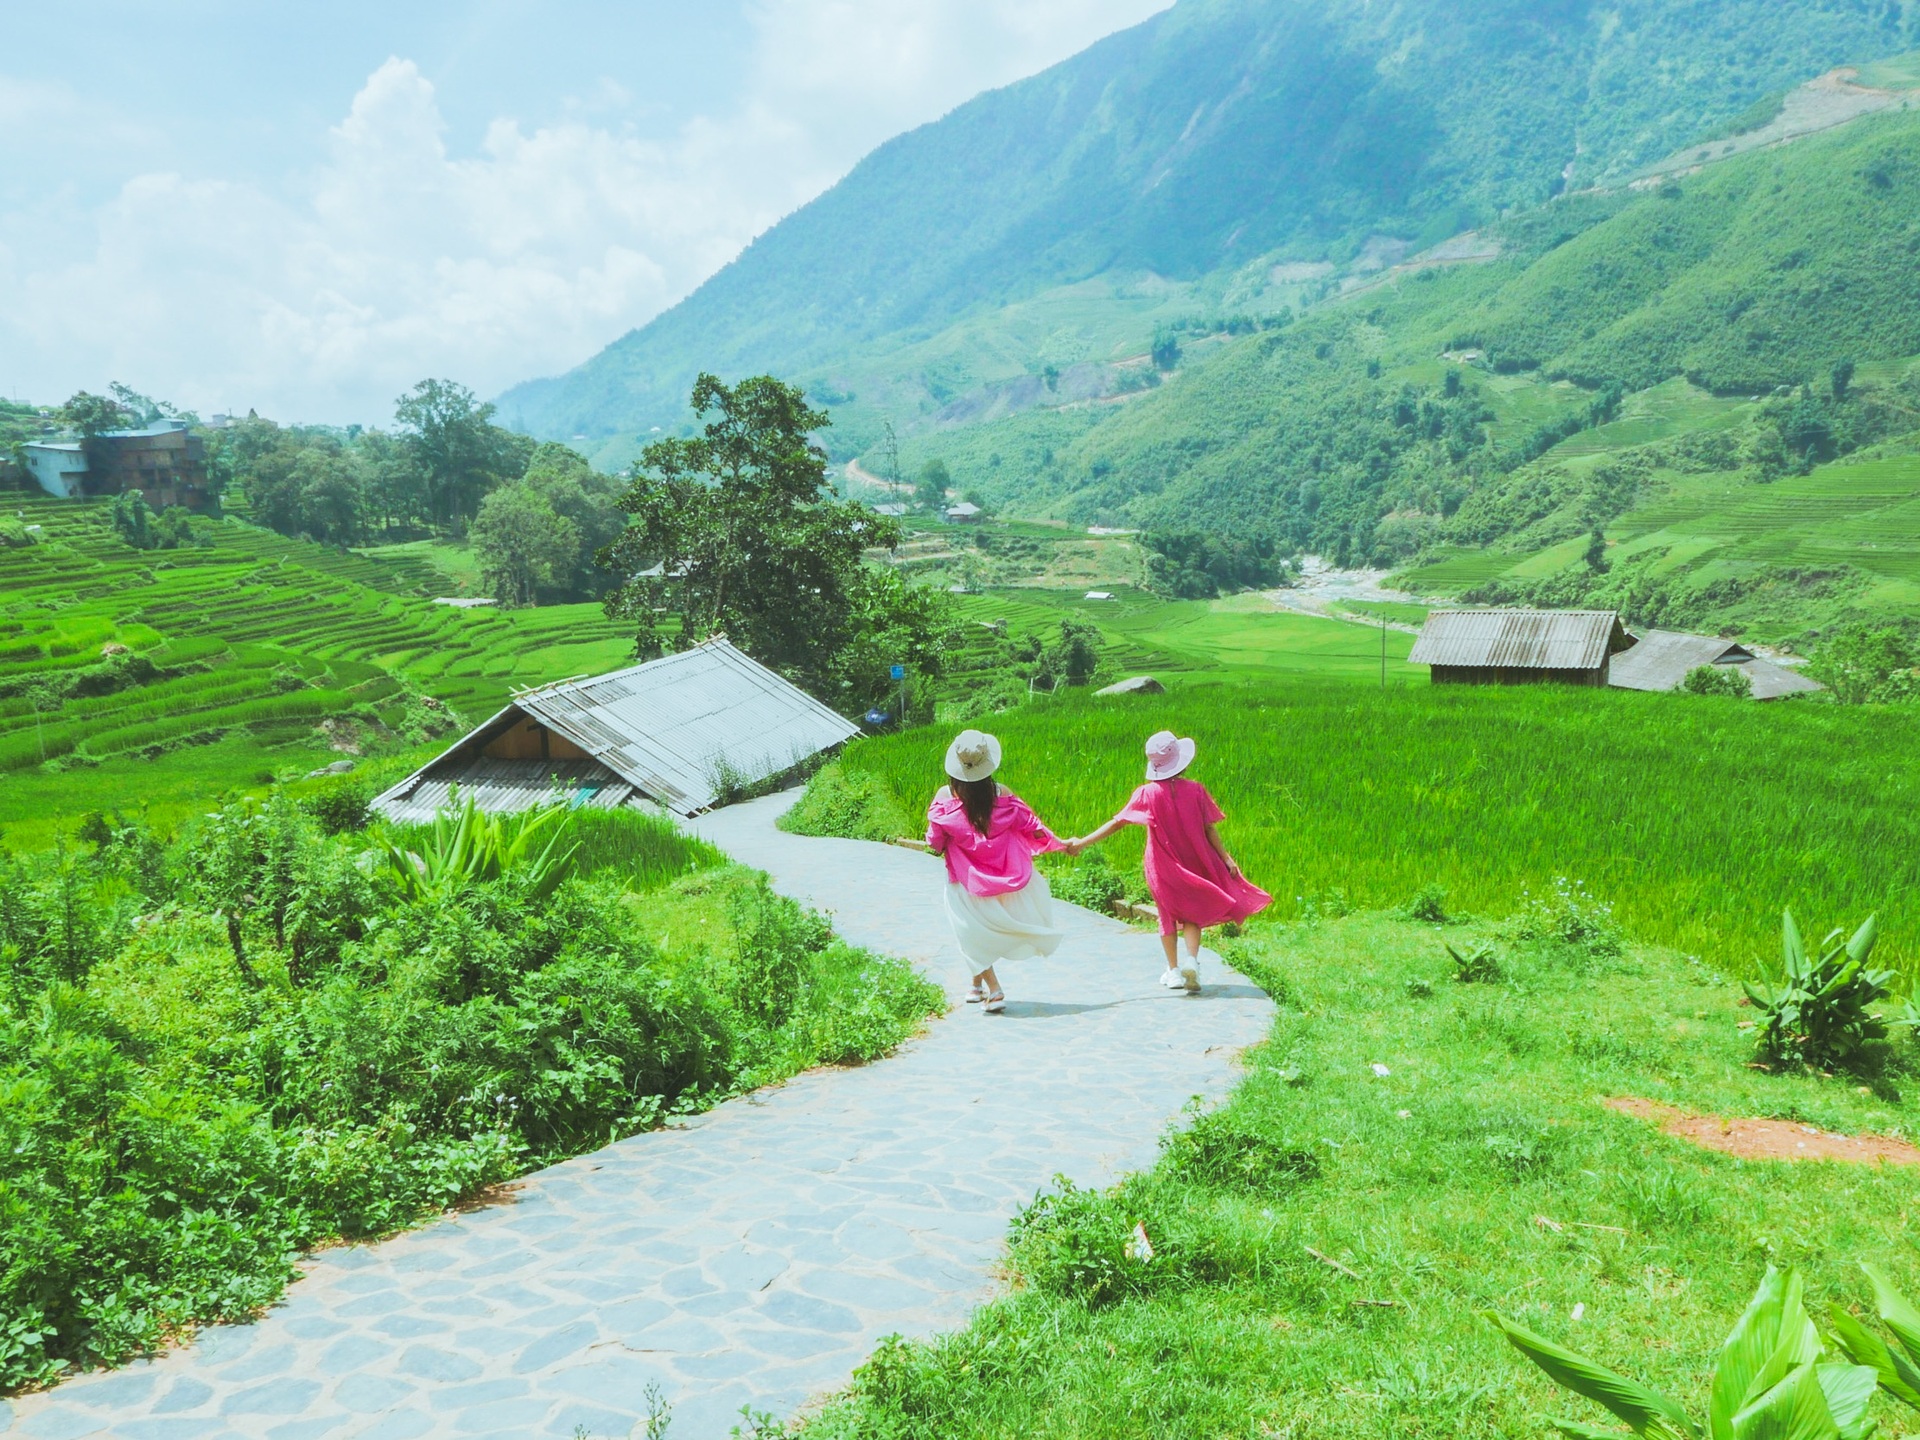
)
(973, 755)
(1168, 754)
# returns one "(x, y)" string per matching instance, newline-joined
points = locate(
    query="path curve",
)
(750, 1257)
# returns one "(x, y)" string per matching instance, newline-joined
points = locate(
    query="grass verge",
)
(1405, 1152)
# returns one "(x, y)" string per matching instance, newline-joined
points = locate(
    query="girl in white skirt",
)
(999, 904)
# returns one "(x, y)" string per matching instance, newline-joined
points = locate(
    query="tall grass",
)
(1698, 818)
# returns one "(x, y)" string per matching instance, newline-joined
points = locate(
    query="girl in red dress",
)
(1195, 882)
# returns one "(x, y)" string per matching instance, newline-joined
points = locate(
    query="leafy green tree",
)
(133, 520)
(459, 450)
(93, 415)
(930, 491)
(1868, 663)
(330, 495)
(1841, 379)
(522, 545)
(736, 531)
(590, 500)
(1166, 350)
(1597, 552)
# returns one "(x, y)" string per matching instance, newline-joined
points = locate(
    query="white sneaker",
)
(1173, 979)
(1190, 977)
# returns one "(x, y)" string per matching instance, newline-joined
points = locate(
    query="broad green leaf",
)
(1791, 948)
(1647, 1411)
(1794, 1409)
(1897, 1311)
(1584, 1432)
(1863, 1347)
(1848, 1390)
(1753, 1341)
(1861, 945)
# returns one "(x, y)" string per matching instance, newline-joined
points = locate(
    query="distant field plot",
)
(1453, 569)
(1669, 409)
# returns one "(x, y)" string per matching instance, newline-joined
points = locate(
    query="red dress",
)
(1191, 884)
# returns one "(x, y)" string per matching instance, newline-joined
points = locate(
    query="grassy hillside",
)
(1202, 148)
(1716, 372)
(228, 655)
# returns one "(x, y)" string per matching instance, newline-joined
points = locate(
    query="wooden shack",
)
(1520, 647)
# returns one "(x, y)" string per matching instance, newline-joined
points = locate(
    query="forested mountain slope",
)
(1204, 148)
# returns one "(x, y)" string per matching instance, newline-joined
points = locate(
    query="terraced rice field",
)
(254, 636)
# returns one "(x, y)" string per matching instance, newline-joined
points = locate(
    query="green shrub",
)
(1728, 680)
(1769, 1379)
(1429, 904)
(1092, 883)
(851, 805)
(339, 804)
(1817, 1015)
(295, 1044)
(1218, 1150)
(1479, 965)
(1569, 915)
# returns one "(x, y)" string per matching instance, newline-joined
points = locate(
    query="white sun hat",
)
(973, 755)
(1168, 755)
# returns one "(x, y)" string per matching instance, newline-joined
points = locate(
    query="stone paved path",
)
(751, 1257)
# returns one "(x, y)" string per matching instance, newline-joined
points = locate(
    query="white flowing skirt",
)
(992, 928)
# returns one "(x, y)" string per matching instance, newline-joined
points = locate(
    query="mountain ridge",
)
(1210, 136)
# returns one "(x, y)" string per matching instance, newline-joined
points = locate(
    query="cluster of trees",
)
(1189, 565)
(736, 531)
(344, 485)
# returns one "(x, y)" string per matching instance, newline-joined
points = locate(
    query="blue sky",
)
(303, 208)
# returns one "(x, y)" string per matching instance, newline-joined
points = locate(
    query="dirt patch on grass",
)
(1767, 1139)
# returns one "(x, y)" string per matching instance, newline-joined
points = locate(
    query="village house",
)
(1520, 647)
(1664, 658)
(165, 462)
(680, 733)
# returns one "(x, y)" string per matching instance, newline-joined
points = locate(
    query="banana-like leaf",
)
(1794, 1409)
(1861, 945)
(1848, 1389)
(1900, 1316)
(1584, 1432)
(1648, 1412)
(1860, 1345)
(1770, 1339)
(1792, 950)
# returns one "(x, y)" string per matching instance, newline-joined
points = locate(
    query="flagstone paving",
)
(752, 1256)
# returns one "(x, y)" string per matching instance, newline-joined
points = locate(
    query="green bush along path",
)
(753, 1256)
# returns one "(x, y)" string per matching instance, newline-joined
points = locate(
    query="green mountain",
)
(1227, 161)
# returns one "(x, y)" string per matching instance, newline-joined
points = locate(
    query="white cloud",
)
(325, 296)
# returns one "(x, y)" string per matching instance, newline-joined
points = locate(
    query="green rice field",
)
(252, 640)
(1697, 819)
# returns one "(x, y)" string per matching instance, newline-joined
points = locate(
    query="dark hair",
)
(977, 798)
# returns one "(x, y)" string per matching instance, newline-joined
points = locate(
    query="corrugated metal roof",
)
(1662, 659)
(679, 729)
(510, 786)
(1520, 639)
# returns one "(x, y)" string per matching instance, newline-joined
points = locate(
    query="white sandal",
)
(995, 1003)
(975, 995)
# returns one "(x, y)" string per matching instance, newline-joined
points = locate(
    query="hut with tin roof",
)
(1664, 658)
(1520, 647)
(679, 733)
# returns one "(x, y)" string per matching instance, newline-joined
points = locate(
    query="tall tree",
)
(461, 453)
(736, 531)
(522, 545)
(581, 494)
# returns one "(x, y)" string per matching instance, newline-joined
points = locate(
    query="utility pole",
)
(1383, 652)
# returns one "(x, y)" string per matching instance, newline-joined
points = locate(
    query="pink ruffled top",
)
(998, 862)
